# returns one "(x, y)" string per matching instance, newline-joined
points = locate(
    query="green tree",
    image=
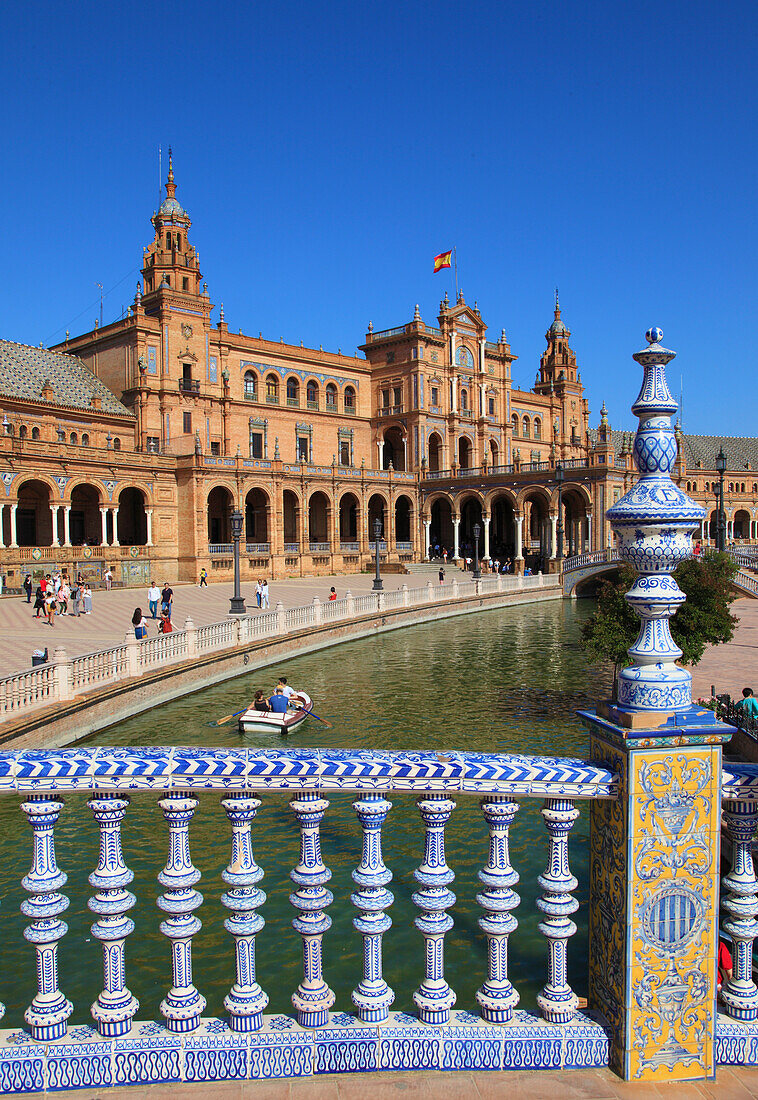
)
(705, 619)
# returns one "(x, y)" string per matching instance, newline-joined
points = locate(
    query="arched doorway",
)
(291, 521)
(435, 452)
(256, 517)
(465, 453)
(131, 518)
(349, 519)
(502, 529)
(393, 450)
(220, 504)
(741, 525)
(34, 520)
(318, 520)
(85, 524)
(471, 513)
(713, 526)
(535, 532)
(376, 510)
(575, 527)
(441, 528)
(403, 513)
(494, 453)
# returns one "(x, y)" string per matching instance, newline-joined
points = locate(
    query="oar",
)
(227, 718)
(310, 714)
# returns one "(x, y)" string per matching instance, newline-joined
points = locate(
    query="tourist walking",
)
(165, 626)
(63, 594)
(39, 601)
(203, 578)
(50, 606)
(108, 579)
(139, 624)
(153, 598)
(442, 576)
(258, 593)
(264, 594)
(28, 588)
(167, 598)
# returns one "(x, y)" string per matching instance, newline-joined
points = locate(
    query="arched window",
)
(349, 399)
(464, 399)
(537, 428)
(293, 391)
(272, 389)
(35, 433)
(251, 386)
(312, 395)
(179, 241)
(514, 422)
(85, 440)
(331, 396)
(72, 439)
(525, 427)
(168, 240)
(116, 444)
(22, 431)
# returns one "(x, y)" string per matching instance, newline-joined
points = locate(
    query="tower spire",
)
(170, 185)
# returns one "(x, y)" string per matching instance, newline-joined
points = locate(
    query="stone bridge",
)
(580, 568)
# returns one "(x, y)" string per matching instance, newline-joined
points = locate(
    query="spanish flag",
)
(443, 260)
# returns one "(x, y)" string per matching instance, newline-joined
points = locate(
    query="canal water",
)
(505, 681)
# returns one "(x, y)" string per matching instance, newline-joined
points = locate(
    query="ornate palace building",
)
(129, 446)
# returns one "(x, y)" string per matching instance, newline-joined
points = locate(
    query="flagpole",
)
(455, 261)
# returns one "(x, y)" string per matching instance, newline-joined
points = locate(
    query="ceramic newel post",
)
(653, 523)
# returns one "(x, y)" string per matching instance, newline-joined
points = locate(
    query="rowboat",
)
(261, 721)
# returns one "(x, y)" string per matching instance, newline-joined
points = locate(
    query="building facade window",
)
(525, 427)
(312, 395)
(331, 396)
(490, 406)
(116, 444)
(397, 394)
(186, 425)
(215, 447)
(349, 399)
(302, 448)
(514, 425)
(435, 396)
(256, 444)
(272, 389)
(537, 428)
(390, 357)
(251, 386)
(152, 444)
(35, 433)
(385, 399)
(293, 392)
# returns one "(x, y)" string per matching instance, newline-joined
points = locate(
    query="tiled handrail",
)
(245, 1043)
(64, 678)
(592, 557)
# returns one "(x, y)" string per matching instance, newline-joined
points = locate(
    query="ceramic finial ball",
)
(654, 335)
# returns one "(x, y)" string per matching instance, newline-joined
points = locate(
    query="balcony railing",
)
(293, 402)
(312, 404)
(272, 398)
(187, 385)
(292, 548)
(251, 395)
(257, 547)
(225, 548)
(349, 410)
(319, 547)
(349, 547)
(391, 410)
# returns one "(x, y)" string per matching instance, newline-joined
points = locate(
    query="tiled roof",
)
(741, 451)
(24, 371)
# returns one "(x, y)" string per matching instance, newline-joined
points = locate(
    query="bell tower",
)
(558, 362)
(171, 262)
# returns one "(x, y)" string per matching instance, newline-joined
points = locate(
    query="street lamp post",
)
(477, 571)
(378, 585)
(559, 527)
(721, 467)
(236, 604)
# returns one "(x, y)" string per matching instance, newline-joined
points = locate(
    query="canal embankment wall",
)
(144, 686)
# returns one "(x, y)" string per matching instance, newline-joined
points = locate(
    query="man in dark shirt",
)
(167, 596)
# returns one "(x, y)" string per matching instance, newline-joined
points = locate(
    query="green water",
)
(501, 681)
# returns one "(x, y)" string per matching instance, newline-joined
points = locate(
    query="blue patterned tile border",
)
(740, 781)
(736, 1042)
(536, 775)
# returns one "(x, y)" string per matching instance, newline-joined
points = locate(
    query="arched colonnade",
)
(82, 513)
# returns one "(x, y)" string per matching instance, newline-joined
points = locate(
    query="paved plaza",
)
(735, 1083)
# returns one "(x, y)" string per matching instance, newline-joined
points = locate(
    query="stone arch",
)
(293, 390)
(441, 531)
(34, 519)
(349, 517)
(349, 399)
(312, 393)
(536, 528)
(403, 518)
(319, 513)
(393, 447)
(256, 510)
(575, 502)
(741, 524)
(713, 525)
(471, 511)
(85, 522)
(131, 518)
(493, 452)
(436, 452)
(377, 509)
(501, 505)
(465, 452)
(219, 505)
(526, 426)
(291, 508)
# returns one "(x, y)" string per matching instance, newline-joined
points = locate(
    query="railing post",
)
(318, 615)
(406, 600)
(115, 1008)
(62, 672)
(49, 1011)
(132, 653)
(350, 604)
(496, 997)
(434, 998)
(454, 594)
(380, 601)
(429, 592)
(740, 900)
(183, 1005)
(557, 1001)
(313, 997)
(246, 1000)
(281, 618)
(373, 996)
(191, 633)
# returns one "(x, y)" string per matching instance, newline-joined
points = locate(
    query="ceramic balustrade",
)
(739, 887)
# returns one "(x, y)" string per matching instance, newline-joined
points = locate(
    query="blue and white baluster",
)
(434, 998)
(115, 1008)
(246, 1000)
(496, 997)
(740, 900)
(183, 1005)
(557, 1001)
(49, 1011)
(373, 996)
(313, 997)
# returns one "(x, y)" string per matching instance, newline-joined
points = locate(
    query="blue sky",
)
(327, 152)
